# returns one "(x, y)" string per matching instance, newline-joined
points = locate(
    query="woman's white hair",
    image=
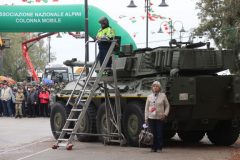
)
(157, 83)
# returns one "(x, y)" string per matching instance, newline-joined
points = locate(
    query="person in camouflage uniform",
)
(18, 102)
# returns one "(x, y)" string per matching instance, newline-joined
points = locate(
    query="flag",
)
(39, 1)
(133, 19)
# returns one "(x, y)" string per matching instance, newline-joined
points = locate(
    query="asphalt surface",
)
(31, 139)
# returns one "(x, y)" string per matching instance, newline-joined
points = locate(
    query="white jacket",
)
(156, 106)
(6, 94)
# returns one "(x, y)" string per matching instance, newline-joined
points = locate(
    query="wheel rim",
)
(58, 121)
(103, 123)
(132, 124)
(83, 124)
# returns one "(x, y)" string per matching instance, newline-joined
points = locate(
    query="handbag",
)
(145, 137)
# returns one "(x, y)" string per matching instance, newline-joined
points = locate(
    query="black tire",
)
(191, 136)
(223, 134)
(57, 118)
(133, 118)
(88, 125)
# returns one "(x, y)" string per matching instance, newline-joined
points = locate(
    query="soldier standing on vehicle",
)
(18, 102)
(156, 110)
(104, 35)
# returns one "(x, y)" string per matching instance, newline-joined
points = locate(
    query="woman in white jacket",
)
(156, 110)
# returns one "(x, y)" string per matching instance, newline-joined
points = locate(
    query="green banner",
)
(40, 18)
(55, 18)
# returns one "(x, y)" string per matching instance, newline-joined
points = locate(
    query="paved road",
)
(17, 132)
(31, 139)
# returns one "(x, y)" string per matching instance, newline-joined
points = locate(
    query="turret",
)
(187, 60)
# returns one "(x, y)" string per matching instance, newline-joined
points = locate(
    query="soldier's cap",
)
(103, 20)
(157, 83)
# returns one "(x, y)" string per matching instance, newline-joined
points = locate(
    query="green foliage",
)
(13, 62)
(220, 20)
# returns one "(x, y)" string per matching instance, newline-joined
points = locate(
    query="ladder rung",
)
(71, 103)
(90, 84)
(67, 129)
(82, 104)
(72, 120)
(83, 100)
(80, 84)
(85, 90)
(62, 139)
(75, 104)
(76, 110)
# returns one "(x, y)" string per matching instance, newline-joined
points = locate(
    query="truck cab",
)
(58, 73)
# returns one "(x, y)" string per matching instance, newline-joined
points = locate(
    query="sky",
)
(182, 12)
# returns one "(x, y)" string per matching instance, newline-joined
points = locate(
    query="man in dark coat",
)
(31, 101)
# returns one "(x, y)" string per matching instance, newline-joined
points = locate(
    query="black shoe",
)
(16, 116)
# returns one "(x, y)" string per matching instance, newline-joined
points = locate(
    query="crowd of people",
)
(24, 100)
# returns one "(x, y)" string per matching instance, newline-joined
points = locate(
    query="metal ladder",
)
(76, 115)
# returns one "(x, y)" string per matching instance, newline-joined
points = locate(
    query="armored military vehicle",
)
(202, 102)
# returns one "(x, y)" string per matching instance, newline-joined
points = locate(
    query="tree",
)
(220, 20)
(13, 63)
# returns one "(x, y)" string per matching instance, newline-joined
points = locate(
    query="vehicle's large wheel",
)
(101, 121)
(88, 125)
(223, 134)
(57, 118)
(191, 136)
(133, 118)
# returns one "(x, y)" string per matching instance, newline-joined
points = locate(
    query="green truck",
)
(202, 101)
